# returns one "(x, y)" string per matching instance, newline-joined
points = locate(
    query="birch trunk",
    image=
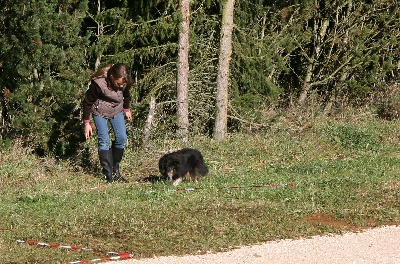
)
(311, 63)
(221, 118)
(149, 121)
(183, 73)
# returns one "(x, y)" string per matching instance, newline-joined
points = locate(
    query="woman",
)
(107, 99)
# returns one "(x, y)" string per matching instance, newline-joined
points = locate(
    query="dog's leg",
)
(171, 174)
(192, 176)
(177, 181)
(188, 176)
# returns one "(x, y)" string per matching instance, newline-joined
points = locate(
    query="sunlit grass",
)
(261, 187)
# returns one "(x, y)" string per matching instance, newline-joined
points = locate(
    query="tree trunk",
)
(149, 121)
(221, 119)
(320, 32)
(334, 93)
(183, 73)
(100, 32)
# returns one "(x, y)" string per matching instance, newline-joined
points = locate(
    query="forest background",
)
(285, 55)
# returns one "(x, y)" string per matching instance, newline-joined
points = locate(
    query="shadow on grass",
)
(152, 179)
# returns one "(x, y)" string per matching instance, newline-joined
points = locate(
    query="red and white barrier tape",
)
(120, 257)
(117, 255)
(220, 188)
(394, 183)
(239, 187)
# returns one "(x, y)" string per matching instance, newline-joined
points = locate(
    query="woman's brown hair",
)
(113, 72)
(101, 73)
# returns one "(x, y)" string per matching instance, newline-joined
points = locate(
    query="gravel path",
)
(378, 245)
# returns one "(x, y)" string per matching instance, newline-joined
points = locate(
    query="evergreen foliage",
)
(43, 66)
(347, 47)
(258, 58)
(338, 50)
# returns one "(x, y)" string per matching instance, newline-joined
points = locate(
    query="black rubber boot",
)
(106, 161)
(118, 153)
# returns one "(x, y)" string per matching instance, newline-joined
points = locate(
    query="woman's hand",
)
(128, 115)
(88, 131)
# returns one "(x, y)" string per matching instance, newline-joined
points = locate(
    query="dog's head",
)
(171, 167)
(168, 166)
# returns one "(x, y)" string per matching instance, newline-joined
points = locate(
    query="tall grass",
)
(296, 179)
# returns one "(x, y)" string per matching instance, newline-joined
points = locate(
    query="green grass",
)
(344, 174)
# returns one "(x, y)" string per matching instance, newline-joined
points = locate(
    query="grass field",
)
(296, 179)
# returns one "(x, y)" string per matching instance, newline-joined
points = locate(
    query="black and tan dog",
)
(183, 163)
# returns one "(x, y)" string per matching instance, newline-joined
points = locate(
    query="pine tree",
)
(43, 67)
(346, 50)
(259, 58)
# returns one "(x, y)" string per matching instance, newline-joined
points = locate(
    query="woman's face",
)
(119, 83)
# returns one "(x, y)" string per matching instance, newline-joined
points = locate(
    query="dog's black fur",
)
(182, 163)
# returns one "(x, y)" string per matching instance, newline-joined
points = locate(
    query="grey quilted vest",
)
(110, 103)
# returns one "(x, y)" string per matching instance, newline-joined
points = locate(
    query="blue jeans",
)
(119, 128)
